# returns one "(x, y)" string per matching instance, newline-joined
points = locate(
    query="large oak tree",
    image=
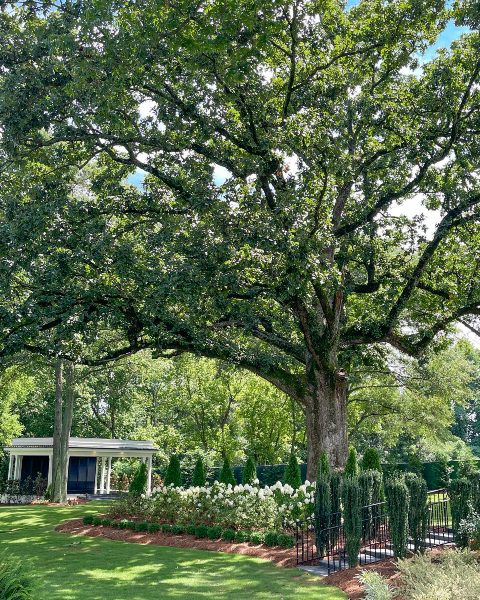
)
(324, 120)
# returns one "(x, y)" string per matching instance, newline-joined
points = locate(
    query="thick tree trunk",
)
(62, 429)
(57, 431)
(326, 419)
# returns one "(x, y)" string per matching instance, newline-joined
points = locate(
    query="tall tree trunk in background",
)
(62, 428)
(57, 431)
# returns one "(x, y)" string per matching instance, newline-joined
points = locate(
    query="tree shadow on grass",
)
(74, 568)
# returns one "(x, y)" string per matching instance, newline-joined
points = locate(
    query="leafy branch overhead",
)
(329, 127)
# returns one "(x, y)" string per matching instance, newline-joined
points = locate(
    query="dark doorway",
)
(33, 465)
(81, 475)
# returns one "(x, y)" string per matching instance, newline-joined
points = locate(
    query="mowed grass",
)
(73, 567)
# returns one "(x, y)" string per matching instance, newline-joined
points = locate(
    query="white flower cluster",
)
(247, 506)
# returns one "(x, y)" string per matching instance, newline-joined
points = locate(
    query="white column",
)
(109, 473)
(149, 476)
(50, 470)
(18, 467)
(102, 476)
(95, 487)
(10, 467)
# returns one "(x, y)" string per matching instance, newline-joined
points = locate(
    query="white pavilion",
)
(89, 461)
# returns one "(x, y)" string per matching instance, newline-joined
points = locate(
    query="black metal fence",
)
(325, 547)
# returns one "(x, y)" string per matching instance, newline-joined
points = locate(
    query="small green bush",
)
(292, 474)
(106, 522)
(449, 575)
(190, 529)
(201, 531)
(199, 479)
(228, 535)
(285, 540)
(139, 481)
(141, 526)
(257, 537)
(153, 527)
(271, 538)
(16, 582)
(174, 473)
(123, 524)
(132, 525)
(96, 521)
(214, 533)
(226, 474)
(167, 528)
(376, 588)
(115, 524)
(242, 536)
(178, 529)
(371, 460)
(88, 520)
(250, 471)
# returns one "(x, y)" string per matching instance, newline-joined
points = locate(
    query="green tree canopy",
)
(323, 119)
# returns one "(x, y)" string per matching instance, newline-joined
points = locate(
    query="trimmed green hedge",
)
(270, 538)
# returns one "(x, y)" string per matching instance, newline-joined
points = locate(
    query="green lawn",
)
(71, 567)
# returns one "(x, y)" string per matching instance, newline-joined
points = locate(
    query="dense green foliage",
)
(292, 474)
(250, 471)
(138, 486)
(417, 510)
(274, 144)
(226, 474)
(198, 477)
(173, 475)
(371, 460)
(460, 494)
(352, 518)
(398, 503)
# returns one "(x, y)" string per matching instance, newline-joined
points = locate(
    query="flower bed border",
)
(283, 557)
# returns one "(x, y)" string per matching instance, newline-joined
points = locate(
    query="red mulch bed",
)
(348, 582)
(280, 556)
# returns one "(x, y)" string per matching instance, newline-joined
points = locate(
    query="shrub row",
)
(270, 538)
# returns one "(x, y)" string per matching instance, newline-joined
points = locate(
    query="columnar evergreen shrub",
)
(292, 474)
(323, 508)
(365, 482)
(460, 495)
(378, 494)
(139, 481)
(174, 473)
(226, 475)
(199, 479)
(418, 510)
(336, 480)
(397, 508)
(249, 471)
(371, 460)
(352, 518)
(324, 465)
(351, 466)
